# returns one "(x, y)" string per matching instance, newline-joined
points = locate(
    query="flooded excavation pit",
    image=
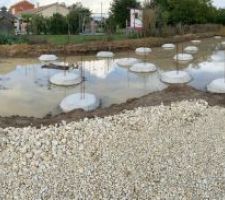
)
(34, 91)
(27, 89)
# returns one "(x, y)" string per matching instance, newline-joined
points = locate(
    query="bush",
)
(11, 39)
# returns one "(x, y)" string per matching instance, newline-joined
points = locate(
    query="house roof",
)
(20, 3)
(41, 8)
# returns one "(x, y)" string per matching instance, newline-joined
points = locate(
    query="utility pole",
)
(101, 16)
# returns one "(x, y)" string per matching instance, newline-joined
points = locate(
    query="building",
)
(6, 21)
(45, 11)
(48, 10)
(21, 6)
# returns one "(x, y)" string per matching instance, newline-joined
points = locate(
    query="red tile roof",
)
(40, 9)
(21, 6)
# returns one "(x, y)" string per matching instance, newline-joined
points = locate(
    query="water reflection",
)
(25, 89)
(205, 72)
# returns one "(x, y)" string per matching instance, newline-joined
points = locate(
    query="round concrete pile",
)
(84, 101)
(175, 77)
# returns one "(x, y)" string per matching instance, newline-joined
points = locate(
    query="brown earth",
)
(173, 93)
(25, 50)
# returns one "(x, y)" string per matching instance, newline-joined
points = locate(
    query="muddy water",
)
(25, 89)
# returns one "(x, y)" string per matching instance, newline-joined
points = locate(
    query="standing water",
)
(25, 89)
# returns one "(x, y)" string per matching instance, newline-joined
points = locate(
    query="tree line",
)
(166, 12)
(170, 12)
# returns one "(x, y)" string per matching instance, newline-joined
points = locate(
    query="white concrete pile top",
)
(66, 78)
(143, 67)
(191, 49)
(217, 86)
(127, 62)
(168, 46)
(85, 101)
(183, 57)
(175, 77)
(217, 37)
(61, 63)
(105, 54)
(196, 41)
(223, 43)
(48, 57)
(143, 51)
(219, 56)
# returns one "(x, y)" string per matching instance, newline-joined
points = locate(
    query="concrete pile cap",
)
(191, 49)
(143, 67)
(223, 43)
(143, 51)
(105, 54)
(175, 77)
(217, 86)
(66, 78)
(217, 37)
(183, 57)
(48, 57)
(196, 41)
(168, 46)
(84, 101)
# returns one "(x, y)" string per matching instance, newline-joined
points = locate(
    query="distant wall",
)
(48, 12)
(187, 29)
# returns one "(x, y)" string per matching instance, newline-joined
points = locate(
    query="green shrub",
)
(11, 39)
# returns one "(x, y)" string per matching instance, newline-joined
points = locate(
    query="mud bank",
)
(25, 50)
(172, 94)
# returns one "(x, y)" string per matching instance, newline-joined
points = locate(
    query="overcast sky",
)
(94, 5)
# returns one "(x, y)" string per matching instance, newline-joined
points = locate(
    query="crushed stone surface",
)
(161, 153)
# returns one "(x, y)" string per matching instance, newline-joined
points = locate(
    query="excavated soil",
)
(25, 50)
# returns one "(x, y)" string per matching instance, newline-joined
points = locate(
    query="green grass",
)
(73, 39)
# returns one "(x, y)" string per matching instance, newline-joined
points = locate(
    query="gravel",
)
(162, 152)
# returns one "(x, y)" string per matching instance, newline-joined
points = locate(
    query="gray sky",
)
(94, 5)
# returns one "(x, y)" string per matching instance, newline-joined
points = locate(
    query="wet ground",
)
(25, 89)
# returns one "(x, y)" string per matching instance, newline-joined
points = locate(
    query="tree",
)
(185, 11)
(77, 16)
(3, 9)
(220, 18)
(36, 24)
(120, 10)
(58, 24)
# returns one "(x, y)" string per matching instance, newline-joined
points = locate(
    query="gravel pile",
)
(162, 152)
